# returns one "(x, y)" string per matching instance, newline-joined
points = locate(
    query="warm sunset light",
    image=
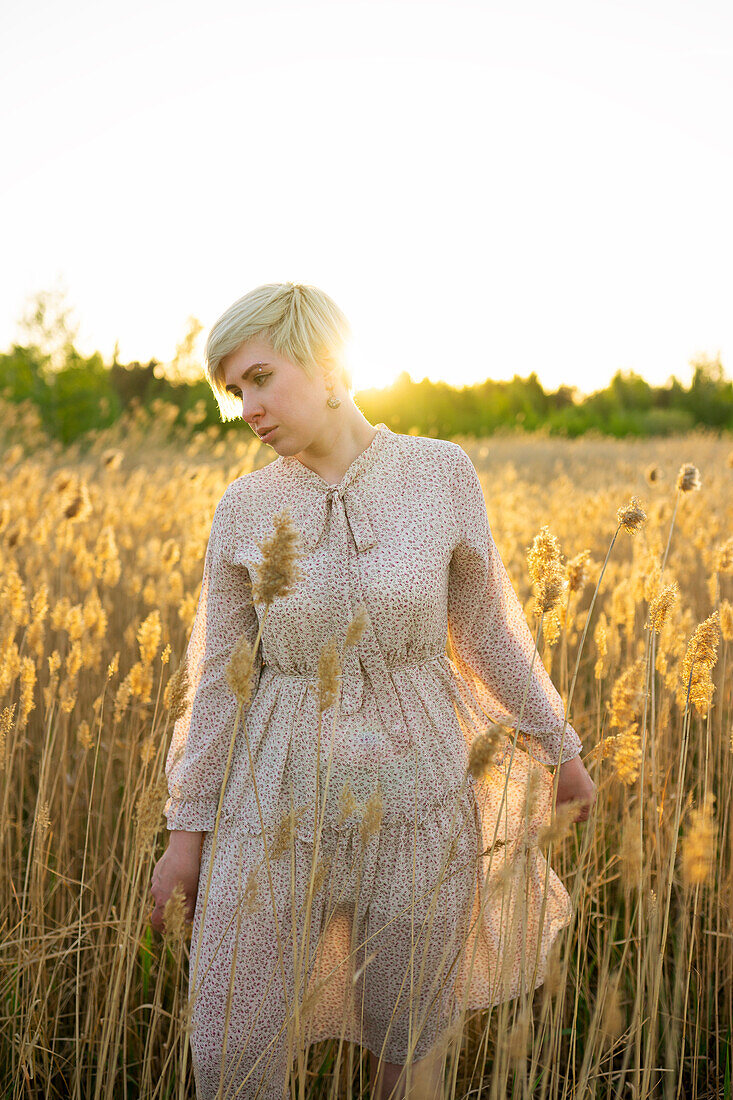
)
(485, 188)
(366, 612)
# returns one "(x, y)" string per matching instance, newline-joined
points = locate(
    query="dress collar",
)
(311, 515)
(362, 462)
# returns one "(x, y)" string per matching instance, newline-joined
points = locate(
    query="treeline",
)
(74, 395)
(627, 406)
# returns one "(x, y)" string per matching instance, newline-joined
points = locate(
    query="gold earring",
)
(333, 401)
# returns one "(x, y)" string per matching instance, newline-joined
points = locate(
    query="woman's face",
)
(276, 393)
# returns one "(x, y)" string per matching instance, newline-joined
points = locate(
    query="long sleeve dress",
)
(446, 904)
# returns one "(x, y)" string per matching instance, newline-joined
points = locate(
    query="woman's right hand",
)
(181, 862)
(574, 783)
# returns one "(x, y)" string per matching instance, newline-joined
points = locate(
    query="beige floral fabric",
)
(448, 903)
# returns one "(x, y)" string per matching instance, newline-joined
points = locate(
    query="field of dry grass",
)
(101, 560)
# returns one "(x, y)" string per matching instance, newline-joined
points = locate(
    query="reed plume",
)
(546, 572)
(688, 479)
(699, 845)
(632, 516)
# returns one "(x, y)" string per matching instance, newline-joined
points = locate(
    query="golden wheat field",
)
(102, 551)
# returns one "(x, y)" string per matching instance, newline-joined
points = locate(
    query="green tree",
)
(47, 325)
(185, 366)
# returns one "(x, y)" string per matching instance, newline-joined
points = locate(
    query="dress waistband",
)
(357, 675)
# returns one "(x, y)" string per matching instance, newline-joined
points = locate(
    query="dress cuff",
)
(195, 816)
(548, 751)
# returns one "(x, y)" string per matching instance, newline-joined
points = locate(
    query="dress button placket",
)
(352, 683)
(366, 656)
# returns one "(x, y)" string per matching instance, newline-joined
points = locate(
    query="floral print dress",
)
(445, 903)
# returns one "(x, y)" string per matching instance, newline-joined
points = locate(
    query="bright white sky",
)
(485, 188)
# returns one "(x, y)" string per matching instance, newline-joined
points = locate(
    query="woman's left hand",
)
(573, 782)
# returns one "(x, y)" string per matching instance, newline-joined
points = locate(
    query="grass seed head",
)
(726, 620)
(320, 876)
(174, 916)
(627, 695)
(632, 516)
(357, 625)
(279, 571)
(688, 478)
(600, 637)
(149, 813)
(577, 571)
(122, 699)
(700, 657)
(43, 819)
(347, 802)
(372, 817)
(251, 901)
(553, 982)
(6, 724)
(84, 736)
(76, 505)
(627, 754)
(724, 556)
(543, 557)
(483, 750)
(148, 636)
(698, 845)
(660, 606)
(549, 589)
(329, 670)
(239, 668)
(287, 825)
(313, 998)
(140, 679)
(112, 459)
(561, 823)
(175, 696)
(552, 626)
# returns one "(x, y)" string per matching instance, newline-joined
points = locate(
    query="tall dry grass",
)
(101, 560)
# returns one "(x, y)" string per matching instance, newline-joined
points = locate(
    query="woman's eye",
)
(238, 393)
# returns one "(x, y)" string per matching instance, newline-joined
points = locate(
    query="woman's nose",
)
(251, 408)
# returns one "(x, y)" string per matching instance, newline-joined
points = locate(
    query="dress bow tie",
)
(338, 498)
(328, 517)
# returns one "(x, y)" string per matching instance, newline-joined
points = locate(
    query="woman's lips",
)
(268, 435)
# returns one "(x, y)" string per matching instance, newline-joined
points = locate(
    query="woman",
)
(403, 927)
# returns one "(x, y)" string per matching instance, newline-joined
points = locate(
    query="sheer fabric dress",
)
(448, 903)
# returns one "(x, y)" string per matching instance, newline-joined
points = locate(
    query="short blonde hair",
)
(300, 322)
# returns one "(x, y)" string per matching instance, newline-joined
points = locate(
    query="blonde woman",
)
(391, 925)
